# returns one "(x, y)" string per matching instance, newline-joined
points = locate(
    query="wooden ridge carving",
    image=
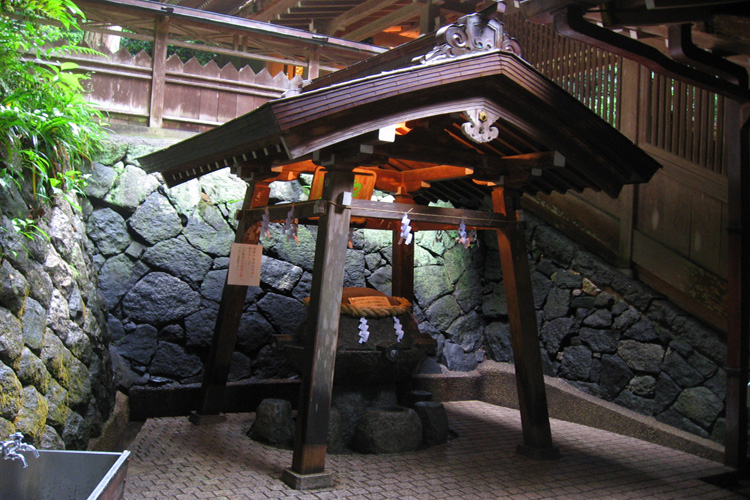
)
(470, 33)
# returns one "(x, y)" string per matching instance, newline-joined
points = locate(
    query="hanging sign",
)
(244, 264)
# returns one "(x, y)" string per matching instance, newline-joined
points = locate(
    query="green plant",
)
(48, 131)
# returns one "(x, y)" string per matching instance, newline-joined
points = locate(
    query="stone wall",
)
(162, 256)
(56, 384)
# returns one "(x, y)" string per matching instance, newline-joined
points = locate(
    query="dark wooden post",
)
(228, 320)
(532, 399)
(738, 313)
(402, 260)
(321, 336)
(158, 72)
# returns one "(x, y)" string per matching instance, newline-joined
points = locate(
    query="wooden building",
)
(462, 105)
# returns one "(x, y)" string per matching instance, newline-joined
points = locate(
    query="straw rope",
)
(403, 306)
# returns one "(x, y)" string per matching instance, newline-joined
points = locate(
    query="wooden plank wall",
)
(197, 97)
(670, 232)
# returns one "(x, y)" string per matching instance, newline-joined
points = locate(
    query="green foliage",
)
(184, 53)
(47, 129)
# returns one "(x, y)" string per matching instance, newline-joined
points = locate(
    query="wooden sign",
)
(370, 301)
(244, 264)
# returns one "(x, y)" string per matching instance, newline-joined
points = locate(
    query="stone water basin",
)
(65, 475)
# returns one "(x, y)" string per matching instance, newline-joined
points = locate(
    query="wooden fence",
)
(195, 97)
(671, 231)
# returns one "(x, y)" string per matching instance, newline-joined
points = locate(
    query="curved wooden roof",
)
(547, 140)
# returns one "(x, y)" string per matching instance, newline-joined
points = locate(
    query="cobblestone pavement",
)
(174, 459)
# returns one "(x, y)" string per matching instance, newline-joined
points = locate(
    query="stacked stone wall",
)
(56, 384)
(162, 257)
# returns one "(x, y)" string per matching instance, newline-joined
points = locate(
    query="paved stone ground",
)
(174, 459)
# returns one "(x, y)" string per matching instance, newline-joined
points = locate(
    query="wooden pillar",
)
(738, 314)
(429, 17)
(313, 64)
(158, 72)
(228, 320)
(402, 260)
(308, 461)
(532, 399)
(630, 90)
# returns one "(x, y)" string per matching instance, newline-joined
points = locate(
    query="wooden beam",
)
(395, 17)
(228, 318)
(322, 329)
(358, 13)
(158, 72)
(532, 399)
(431, 215)
(274, 9)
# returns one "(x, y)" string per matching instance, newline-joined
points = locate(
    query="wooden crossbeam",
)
(358, 13)
(395, 17)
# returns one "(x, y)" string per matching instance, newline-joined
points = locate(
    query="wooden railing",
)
(671, 231)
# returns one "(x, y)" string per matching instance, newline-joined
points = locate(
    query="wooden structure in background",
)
(486, 123)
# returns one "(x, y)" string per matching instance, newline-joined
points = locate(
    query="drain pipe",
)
(570, 22)
(682, 49)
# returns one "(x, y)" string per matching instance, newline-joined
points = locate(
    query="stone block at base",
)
(538, 453)
(201, 419)
(307, 481)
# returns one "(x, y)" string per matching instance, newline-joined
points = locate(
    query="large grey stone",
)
(43, 286)
(466, 331)
(354, 269)
(430, 283)
(554, 332)
(567, 279)
(155, 220)
(185, 196)
(208, 231)
(11, 397)
(139, 345)
(223, 187)
(117, 276)
(108, 231)
(31, 371)
(434, 422)
(494, 304)
(381, 280)
(34, 321)
(179, 258)
(456, 359)
(254, 332)
(100, 180)
(634, 402)
(131, 188)
(14, 289)
(558, 303)
(600, 318)
(171, 360)
(497, 341)
(279, 275)
(388, 430)
(643, 386)
(443, 312)
(576, 363)
(604, 341)
(11, 336)
(641, 357)
(284, 313)
(160, 298)
(615, 376)
(273, 422)
(699, 405)
(680, 370)
(199, 327)
(642, 331)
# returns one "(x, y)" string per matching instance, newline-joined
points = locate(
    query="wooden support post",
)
(402, 260)
(158, 72)
(313, 64)
(629, 126)
(429, 17)
(738, 313)
(532, 399)
(228, 320)
(308, 461)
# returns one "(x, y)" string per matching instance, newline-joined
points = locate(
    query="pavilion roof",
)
(546, 141)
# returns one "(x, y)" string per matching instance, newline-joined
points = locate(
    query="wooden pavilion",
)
(460, 119)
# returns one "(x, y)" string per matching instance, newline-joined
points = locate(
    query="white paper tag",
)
(244, 264)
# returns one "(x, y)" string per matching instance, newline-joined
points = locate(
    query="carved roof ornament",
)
(470, 33)
(479, 127)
